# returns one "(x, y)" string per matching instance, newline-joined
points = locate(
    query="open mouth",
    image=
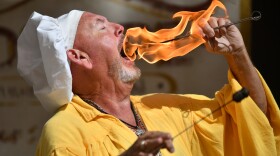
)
(122, 53)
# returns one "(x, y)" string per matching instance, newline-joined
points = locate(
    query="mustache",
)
(120, 45)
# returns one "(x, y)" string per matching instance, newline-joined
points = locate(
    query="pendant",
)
(139, 131)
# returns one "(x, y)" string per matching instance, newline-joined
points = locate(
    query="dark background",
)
(265, 44)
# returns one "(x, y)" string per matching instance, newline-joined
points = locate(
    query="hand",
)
(150, 143)
(225, 40)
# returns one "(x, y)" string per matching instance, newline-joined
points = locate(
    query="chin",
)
(130, 75)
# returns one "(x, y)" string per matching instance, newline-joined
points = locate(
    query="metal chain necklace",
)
(139, 129)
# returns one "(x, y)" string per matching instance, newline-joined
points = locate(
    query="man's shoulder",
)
(61, 132)
(168, 99)
(64, 117)
(165, 96)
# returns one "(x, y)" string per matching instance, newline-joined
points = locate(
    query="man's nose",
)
(119, 29)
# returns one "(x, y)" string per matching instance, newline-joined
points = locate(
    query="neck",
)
(111, 105)
(137, 126)
(112, 96)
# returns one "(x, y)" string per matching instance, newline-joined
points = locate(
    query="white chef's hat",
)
(42, 58)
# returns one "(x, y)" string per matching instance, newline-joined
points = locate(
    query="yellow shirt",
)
(78, 129)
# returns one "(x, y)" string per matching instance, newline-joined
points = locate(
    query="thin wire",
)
(236, 97)
(255, 16)
(196, 122)
(252, 18)
(178, 134)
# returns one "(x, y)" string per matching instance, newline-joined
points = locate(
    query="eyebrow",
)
(99, 20)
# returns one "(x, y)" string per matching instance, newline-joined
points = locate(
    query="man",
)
(96, 115)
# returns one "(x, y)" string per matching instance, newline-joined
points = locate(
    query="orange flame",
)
(152, 46)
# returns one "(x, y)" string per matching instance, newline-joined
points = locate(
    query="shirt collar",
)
(86, 111)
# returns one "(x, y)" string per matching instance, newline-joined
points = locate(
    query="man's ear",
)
(78, 57)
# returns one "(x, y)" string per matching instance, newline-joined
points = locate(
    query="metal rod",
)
(256, 15)
(236, 97)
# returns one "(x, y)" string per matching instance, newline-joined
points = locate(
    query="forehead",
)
(88, 27)
(92, 18)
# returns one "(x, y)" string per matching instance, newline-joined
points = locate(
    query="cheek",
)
(109, 42)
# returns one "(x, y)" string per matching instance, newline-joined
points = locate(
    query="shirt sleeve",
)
(248, 131)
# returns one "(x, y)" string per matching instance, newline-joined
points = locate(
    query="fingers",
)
(221, 35)
(214, 27)
(222, 22)
(152, 142)
(157, 140)
(206, 29)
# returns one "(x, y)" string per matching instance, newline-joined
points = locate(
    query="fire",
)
(152, 46)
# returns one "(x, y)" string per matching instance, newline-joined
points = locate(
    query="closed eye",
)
(101, 23)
